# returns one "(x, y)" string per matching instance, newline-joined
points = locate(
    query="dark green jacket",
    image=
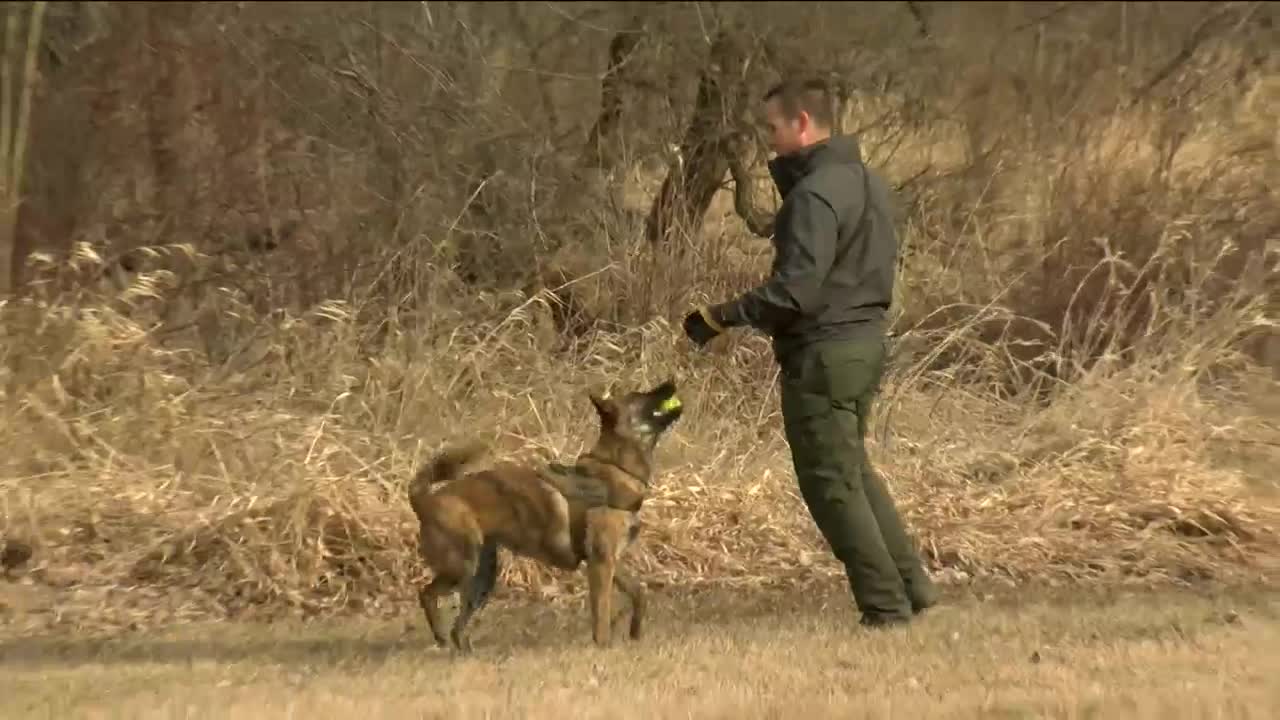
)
(835, 252)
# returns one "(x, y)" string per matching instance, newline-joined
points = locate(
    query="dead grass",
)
(157, 485)
(718, 654)
(272, 481)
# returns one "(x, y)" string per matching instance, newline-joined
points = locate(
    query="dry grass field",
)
(1034, 654)
(272, 256)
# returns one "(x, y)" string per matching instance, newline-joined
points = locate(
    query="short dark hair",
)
(812, 95)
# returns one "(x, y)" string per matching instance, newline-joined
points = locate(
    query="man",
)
(824, 306)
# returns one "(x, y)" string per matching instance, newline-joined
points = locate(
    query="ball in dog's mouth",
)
(670, 405)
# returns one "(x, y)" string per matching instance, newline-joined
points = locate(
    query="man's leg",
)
(920, 588)
(821, 424)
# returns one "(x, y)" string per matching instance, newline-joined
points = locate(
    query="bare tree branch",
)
(918, 13)
(1199, 35)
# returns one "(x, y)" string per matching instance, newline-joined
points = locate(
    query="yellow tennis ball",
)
(670, 404)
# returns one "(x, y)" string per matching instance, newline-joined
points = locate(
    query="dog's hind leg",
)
(471, 598)
(478, 592)
(428, 598)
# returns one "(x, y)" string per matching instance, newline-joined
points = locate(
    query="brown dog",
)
(559, 515)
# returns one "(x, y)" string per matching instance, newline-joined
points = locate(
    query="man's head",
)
(798, 113)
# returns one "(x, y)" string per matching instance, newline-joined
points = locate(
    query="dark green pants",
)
(827, 392)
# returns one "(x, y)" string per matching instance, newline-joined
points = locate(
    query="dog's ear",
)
(605, 406)
(665, 390)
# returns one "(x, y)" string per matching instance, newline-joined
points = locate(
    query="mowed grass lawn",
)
(716, 654)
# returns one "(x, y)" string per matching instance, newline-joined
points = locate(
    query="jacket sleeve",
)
(805, 238)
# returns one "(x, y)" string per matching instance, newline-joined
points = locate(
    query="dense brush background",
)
(269, 256)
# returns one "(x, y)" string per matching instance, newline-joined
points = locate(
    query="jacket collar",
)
(787, 170)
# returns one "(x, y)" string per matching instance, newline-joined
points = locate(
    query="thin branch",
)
(1201, 33)
(579, 20)
(1047, 16)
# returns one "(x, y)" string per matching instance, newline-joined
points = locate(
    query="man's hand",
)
(701, 326)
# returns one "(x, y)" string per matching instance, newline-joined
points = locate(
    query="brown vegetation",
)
(272, 255)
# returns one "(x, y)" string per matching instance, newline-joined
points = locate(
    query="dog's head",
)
(639, 417)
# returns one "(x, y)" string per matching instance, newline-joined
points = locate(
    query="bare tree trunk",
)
(601, 139)
(760, 222)
(707, 147)
(14, 132)
(164, 165)
(168, 106)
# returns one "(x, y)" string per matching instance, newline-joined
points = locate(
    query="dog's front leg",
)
(630, 586)
(609, 533)
(634, 590)
(600, 572)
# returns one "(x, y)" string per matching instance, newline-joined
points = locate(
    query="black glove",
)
(701, 326)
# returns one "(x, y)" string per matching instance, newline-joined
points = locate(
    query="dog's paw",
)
(635, 631)
(461, 644)
(621, 620)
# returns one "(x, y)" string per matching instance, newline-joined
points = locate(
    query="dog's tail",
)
(444, 467)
